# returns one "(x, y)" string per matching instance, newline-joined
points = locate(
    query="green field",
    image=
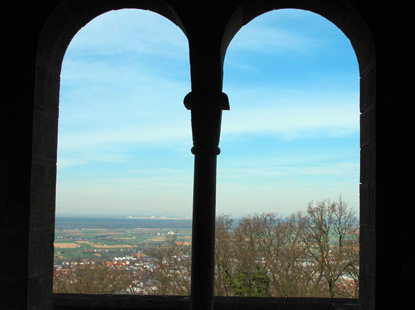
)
(77, 240)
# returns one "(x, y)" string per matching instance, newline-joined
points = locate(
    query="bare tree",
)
(308, 254)
(348, 284)
(314, 253)
(170, 272)
(223, 260)
(283, 256)
(247, 275)
(329, 230)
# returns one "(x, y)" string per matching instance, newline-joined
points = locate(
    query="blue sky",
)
(290, 137)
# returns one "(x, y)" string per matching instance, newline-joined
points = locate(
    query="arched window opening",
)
(289, 162)
(124, 172)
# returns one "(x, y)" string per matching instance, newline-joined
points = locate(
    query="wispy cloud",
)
(126, 136)
(134, 33)
(280, 174)
(124, 78)
(265, 39)
(285, 32)
(292, 116)
(138, 135)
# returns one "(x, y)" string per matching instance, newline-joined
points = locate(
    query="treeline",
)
(313, 253)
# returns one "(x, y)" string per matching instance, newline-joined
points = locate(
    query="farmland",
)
(104, 239)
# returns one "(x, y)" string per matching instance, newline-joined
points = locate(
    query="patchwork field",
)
(105, 239)
(68, 245)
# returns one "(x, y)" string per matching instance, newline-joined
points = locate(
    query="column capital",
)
(206, 100)
(206, 109)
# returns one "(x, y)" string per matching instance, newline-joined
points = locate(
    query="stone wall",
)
(34, 38)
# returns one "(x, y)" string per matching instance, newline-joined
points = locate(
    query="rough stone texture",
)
(114, 302)
(34, 38)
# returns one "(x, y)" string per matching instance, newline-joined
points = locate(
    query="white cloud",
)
(83, 156)
(272, 40)
(278, 172)
(123, 85)
(124, 78)
(131, 32)
(292, 116)
(138, 135)
(286, 31)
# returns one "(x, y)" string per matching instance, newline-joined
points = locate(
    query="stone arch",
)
(351, 23)
(59, 29)
(68, 18)
(342, 14)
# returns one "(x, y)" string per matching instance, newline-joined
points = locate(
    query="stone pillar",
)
(206, 110)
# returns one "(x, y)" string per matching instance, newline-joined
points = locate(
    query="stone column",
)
(206, 110)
